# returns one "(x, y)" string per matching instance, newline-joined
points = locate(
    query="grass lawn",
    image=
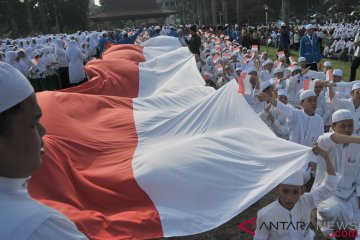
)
(345, 66)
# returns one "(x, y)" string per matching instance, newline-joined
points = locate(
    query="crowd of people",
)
(296, 100)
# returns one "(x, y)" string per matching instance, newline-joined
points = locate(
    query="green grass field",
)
(345, 66)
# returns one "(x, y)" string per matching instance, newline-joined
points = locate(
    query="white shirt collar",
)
(12, 184)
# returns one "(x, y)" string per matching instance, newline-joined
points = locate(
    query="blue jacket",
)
(129, 40)
(310, 51)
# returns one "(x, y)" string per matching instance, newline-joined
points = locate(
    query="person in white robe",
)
(76, 63)
(305, 125)
(289, 216)
(352, 104)
(342, 208)
(21, 216)
(275, 120)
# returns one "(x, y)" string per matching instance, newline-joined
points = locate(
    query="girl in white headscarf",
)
(25, 63)
(76, 63)
(10, 58)
(62, 62)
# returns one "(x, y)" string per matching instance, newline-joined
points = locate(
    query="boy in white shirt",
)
(289, 216)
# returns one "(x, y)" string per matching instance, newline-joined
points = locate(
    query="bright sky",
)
(97, 2)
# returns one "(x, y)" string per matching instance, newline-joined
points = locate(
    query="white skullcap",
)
(355, 86)
(238, 69)
(250, 70)
(234, 54)
(282, 92)
(269, 61)
(278, 70)
(123, 33)
(342, 114)
(265, 85)
(14, 87)
(338, 72)
(301, 59)
(296, 179)
(306, 94)
(328, 64)
(309, 26)
(294, 68)
(157, 28)
(283, 24)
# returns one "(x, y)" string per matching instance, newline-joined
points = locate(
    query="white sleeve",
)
(286, 110)
(324, 191)
(338, 103)
(57, 227)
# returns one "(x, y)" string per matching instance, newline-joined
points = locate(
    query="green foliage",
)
(71, 15)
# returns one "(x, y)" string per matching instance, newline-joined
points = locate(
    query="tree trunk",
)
(56, 16)
(225, 11)
(199, 12)
(285, 11)
(12, 19)
(239, 12)
(205, 3)
(29, 16)
(42, 16)
(214, 12)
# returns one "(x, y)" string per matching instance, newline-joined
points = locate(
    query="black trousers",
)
(313, 66)
(354, 65)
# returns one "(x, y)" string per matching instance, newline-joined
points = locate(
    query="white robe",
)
(293, 86)
(76, 63)
(343, 206)
(280, 126)
(324, 109)
(293, 224)
(304, 129)
(24, 218)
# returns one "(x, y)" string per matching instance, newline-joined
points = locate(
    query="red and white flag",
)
(281, 54)
(245, 86)
(254, 48)
(176, 159)
(329, 75)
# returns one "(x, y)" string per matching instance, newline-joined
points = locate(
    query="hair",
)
(6, 118)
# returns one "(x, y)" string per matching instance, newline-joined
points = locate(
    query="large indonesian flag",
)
(178, 159)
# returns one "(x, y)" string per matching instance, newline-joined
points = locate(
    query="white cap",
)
(238, 69)
(294, 68)
(283, 24)
(301, 59)
(338, 72)
(328, 64)
(306, 94)
(14, 87)
(355, 86)
(282, 92)
(250, 70)
(269, 61)
(123, 33)
(213, 51)
(342, 114)
(309, 26)
(234, 54)
(157, 28)
(265, 85)
(278, 70)
(296, 179)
